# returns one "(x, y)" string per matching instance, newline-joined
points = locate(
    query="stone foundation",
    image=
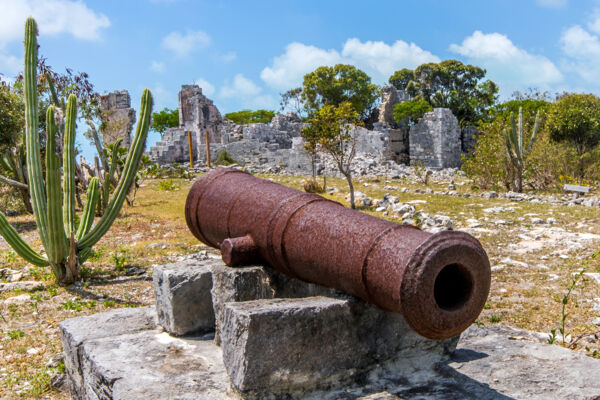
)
(277, 343)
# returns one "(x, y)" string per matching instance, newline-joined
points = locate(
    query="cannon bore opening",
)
(453, 287)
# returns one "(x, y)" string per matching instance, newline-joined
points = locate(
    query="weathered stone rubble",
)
(436, 141)
(118, 117)
(311, 348)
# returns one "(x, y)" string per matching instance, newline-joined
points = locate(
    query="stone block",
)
(308, 344)
(287, 344)
(75, 331)
(234, 285)
(183, 297)
(120, 355)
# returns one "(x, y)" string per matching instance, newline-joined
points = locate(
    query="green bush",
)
(250, 117)
(411, 110)
(224, 159)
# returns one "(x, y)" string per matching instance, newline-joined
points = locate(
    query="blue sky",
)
(245, 53)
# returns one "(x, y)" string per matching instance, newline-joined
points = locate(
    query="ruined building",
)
(436, 140)
(117, 116)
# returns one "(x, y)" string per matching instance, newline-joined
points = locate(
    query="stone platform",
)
(251, 333)
(124, 355)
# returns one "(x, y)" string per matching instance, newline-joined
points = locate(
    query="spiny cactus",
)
(66, 244)
(514, 145)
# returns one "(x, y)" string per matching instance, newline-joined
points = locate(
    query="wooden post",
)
(207, 150)
(189, 134)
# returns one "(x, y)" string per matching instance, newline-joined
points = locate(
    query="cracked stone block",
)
(75, 331)
(286, 344)
(183, 297)
(121, 355)
(237, 284)
(307, 344)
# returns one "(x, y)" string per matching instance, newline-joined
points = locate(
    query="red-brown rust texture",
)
(438, 282)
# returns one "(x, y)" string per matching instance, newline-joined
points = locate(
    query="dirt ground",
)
(533, 265)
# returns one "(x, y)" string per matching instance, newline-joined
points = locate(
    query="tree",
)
(411, 110)
(449, 84)
(11, 116)
(251, 117)
(401, 78)
(575, 119)
(331, 129)
(336, 85)
(292, 99)
(165, 119)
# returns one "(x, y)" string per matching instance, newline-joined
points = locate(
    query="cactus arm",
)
(14, 240)
(114, 159)
(52, 90)
(129, 172)
(87, 217)
(520, 131)
(69, 167)
(514, 138)
(536, 127)
(13, 183)
(84, 254)
(98, 144)
(510, 148)
(57, 242)
(34, 170)
(6, 162)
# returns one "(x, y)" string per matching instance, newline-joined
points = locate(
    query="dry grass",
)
(526, 292)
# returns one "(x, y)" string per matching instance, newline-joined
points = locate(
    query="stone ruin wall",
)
(436, 140)
(117, 116)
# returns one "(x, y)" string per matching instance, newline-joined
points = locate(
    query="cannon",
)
(438, 282)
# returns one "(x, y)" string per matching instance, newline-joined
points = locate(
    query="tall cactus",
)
(514, 145)
(66, 244)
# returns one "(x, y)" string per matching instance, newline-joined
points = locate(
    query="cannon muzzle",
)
(438, 282)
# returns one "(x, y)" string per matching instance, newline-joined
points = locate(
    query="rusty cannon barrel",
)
(438, 282)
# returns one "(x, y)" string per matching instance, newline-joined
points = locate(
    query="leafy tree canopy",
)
(411, 110)
(251, 117)
(575, 119)
(12, 111)
(330, 130)
(165, 119)
(65, 84)
(449, 84)
(336, 85)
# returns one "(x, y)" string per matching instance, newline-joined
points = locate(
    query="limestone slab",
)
(235, 285)
(124, 357)
(183, 297)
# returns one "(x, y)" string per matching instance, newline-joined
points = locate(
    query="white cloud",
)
(594, 23)
(241, 87)
(226, 57)
(10, 65)
(208, 89)
(157, 66)
(552, 3)
(287, 70)
(378, 59)
(54, 17)
(184, 44)
(244, 93)
(583, 50)
(507, 64)
(381, 60)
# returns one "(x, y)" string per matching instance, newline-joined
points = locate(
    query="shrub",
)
(250, 117)
(224, 159)
(312, 186)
